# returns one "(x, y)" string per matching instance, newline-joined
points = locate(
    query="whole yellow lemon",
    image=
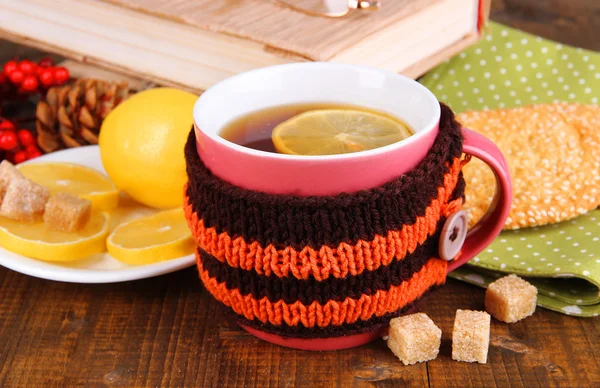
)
(141, 145)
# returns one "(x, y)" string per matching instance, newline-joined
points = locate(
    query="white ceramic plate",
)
(101, 268)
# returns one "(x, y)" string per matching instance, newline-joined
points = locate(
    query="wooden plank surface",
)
(167, 331)
(574, 22)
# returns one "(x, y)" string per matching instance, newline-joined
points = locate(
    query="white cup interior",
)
(368, 87)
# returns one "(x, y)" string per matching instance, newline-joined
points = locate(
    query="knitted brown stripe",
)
(332, 313)
(327, 261)
(358, 327)
(288, 220)
(459, 189)
(291, 289)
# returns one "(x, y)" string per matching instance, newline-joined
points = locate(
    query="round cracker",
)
(553, 152)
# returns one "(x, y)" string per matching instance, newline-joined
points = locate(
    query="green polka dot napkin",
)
(509, 68)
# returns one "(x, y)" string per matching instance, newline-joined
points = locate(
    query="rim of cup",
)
(228, 83)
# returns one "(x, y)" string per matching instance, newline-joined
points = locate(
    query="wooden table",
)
(167, 331)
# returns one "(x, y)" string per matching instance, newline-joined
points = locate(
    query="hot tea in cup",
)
(316, 129)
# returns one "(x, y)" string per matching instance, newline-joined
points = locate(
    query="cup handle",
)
(491, 224)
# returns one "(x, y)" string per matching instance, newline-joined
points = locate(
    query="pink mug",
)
(329, 175)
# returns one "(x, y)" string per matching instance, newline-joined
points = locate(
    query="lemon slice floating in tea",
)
(336, 131)
(74, 179)
(158, 237)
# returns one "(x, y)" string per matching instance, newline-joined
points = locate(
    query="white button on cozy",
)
(453, 235)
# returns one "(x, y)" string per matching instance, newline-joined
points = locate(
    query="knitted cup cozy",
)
(327, 266)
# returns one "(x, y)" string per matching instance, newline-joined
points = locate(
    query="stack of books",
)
(195, 43)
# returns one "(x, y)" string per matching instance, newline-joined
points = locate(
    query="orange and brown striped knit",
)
(325, 266)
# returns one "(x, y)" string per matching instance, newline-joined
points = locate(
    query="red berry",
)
(10, 66)
(16, 76)
(8, 141)
(61, 75)
(27, 67)
(46, 62)
(47, 77)
(30, 84)
(31, 148)
(33, 154)
(26, 138)
(20, 157)
(7, 125)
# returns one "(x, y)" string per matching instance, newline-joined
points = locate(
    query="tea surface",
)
(254, 130)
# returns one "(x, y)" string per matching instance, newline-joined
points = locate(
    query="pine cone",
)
(71, 115)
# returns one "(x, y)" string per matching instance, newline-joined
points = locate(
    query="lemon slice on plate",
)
(158, 237)
(74, 179)
(336, 131)
(128, 210)
(39, 242)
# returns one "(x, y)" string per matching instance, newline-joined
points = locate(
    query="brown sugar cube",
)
(414, 338)
(24, 200)
(8, 173)
(510, 299)
(471, 336)
(67, 212)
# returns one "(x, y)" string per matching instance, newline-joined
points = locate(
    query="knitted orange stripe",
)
(333, 312)
(321, 263)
